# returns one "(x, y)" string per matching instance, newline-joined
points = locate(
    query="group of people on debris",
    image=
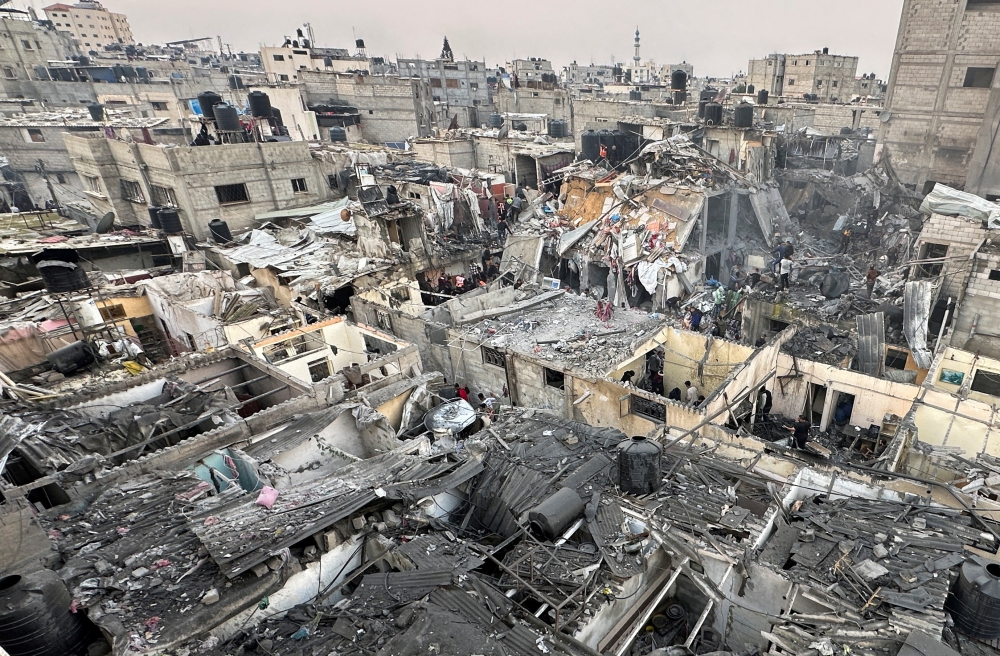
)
(653, 381)
(450, 286)
(509, 209)
(487, 406)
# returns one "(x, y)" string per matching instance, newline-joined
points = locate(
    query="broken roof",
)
(563, 329)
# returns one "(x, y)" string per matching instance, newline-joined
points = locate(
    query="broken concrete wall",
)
(873, 397)
(980, 308)
(961, 236)
(429, 338)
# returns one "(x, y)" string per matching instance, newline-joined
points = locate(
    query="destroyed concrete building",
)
(717, 384)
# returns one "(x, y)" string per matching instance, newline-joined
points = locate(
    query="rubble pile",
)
(822, 344)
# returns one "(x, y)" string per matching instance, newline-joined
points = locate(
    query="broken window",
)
(931, 251)
(436, 82)
(791, 81)
(895, 359)
(776, 326)
(113, 312)
(235, 193)
(987, 382)
(835, 83)
(555, 378)
(319, 370)
(159, 106)
(93, 184)
(819, 83)
(299, 185)
(494, 357)
(979, 78)
(994, 274)
(162, 196)
(35, 135)
(132, 191)
(972, 3)
(384, 320)
(451, 84)
(279, 58)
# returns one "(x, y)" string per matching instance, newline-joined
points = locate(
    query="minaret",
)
(637, 58)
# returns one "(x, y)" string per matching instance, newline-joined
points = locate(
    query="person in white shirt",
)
(692, 393)
(786, 269)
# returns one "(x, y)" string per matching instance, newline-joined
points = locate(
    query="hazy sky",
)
(717, 36)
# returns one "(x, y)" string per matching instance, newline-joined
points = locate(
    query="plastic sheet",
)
(951, 202)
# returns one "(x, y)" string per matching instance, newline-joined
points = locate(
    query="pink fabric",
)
(267, 497)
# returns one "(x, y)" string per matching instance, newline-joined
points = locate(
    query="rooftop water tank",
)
(743, 116)
(558, 129)
(590, 145)
(639, 466)
(709, 94)
(35, 617)
(220, 231)
(154, 216)
(555, 514)
(208, 100)
(750, 89)
(96, 112)
(338, 134)
(496, 120)
(762, 97)
(260, 104)
(701, 108)
(170, 221)
(60, 270)
(72, 358)
(678, 81)
(974, 602)
(236, 82)
(276, 115)
(713, 114)
(227, 119)
(680, 97)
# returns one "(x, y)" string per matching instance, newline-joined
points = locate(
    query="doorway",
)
(815, 403)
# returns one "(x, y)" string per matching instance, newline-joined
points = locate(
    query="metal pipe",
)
(944, 322)
(260, 396)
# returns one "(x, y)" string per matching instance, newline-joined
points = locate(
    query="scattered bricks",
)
(140, 572)
(358, 522)
(391, 519)
(261, 569)
(210, 597)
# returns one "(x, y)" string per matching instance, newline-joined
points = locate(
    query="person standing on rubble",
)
(515, 207)
(502, 229)
(753, 279)
(779, 255)
(870, 278)
(845, 241)
(786, 270)
(800, 432)
(719, 298)
(892, 256)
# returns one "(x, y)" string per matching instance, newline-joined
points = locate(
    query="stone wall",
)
(981, 305)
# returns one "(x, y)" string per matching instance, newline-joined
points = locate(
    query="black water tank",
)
(713, 114)
(170, 221)
(762, 97)
(751, 88)
(236, 82)
(220, 231)
(590, 145)
(338, 134)
(60, 270)
(555, 514)
(328, 62)
(72, 358)
(118, 71)
(84, 60)
(208, 100)
(974, 602)
(35, 617)
(142, 72)
(520, 126)
(679, 81)
(129, 72)
(496, 120)
(154, 216)
(634, 94)
(96, 112)
(558, 129)
(744, 116)
(701, 108)
(260, 104)
(639, 466)
(227, 119)
(680, 97)
(709, 94)
(276, 115)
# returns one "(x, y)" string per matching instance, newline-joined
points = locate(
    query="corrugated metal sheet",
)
(871, 343)
(916, 312)
(294, 433)
(435, 552)
(518, 639)
(385, 590)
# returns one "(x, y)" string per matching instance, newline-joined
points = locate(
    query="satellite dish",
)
(105, 224)
(504, 131)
